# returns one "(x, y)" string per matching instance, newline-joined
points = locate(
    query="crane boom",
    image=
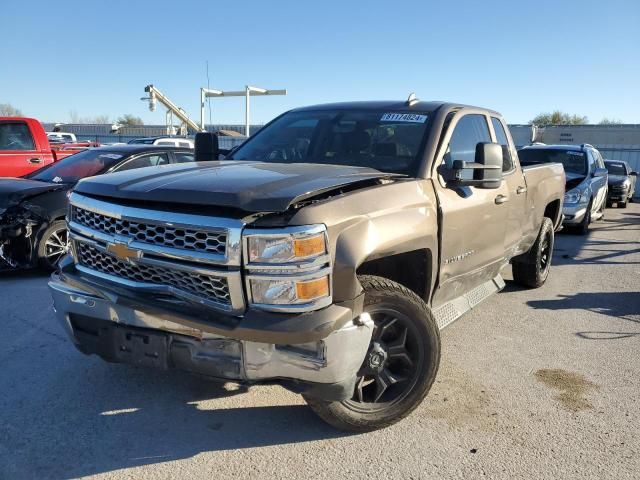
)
(157, 95)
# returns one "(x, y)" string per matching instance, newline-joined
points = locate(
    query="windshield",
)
(615, 168)
(75, 167)
(385, 140)
(573, 161)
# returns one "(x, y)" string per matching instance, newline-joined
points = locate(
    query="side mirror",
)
(206, 147)
(635, 174)
(600, 172)
(487, 168)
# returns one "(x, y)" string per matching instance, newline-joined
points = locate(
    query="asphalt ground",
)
(533, 384)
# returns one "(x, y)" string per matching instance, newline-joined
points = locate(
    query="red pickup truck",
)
(24, 147)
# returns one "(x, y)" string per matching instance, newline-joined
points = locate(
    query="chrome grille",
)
(205, 286)
(167, 236)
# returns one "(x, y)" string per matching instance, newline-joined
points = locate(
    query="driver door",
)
(473, 220)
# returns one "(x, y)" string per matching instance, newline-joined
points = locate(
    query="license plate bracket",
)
(141, 348)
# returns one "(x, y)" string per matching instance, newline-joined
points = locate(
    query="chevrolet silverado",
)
(325, 253)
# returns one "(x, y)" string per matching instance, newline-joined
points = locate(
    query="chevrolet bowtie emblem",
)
(122, 251)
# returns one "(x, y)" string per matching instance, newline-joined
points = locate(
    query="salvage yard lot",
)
(533, 384)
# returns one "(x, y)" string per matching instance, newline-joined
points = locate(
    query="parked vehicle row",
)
(325, 253)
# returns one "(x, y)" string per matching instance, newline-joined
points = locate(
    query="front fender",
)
(373, 223)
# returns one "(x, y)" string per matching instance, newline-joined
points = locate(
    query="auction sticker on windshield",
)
(403, 117)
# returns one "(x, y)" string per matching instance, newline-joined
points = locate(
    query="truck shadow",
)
(119, 417)
(620, 305)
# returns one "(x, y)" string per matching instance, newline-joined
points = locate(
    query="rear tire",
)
(532, 269)
(399, 368)
(53, 245)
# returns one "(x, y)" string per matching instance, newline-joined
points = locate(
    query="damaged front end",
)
(20, 226)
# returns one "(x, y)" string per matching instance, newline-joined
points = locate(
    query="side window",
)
(185, 144)
(501, 137)
(151, 160)
(183, 157)
(15, 136)
(470, 130)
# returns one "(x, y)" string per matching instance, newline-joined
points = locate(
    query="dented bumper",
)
(318, 354)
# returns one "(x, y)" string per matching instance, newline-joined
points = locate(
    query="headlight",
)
(288, 269)
(288, 291)
(286, 246)
(626, 183)
(572, 196)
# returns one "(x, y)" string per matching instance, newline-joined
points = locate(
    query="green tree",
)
(610, 121)
(130, 120)
(8, 110)
(559, 118)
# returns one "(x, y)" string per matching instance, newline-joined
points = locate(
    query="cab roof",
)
(392, 105)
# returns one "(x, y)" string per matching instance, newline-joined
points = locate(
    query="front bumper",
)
(317, 353)
(618, 195)
(574, 213)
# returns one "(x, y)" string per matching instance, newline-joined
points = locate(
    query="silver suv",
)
(586, 189)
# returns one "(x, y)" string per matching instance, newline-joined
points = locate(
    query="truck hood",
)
(14, 190)
(249, 186)
(617, 179)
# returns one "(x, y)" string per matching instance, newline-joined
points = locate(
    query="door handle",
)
(35, 160)
(500, 199)
(520, 190)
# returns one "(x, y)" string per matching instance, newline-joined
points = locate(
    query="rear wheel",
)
(532, 269)
(53, 245)
(399, 367)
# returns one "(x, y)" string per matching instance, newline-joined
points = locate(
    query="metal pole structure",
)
(248, 92)
(204, 93)
(247, 114)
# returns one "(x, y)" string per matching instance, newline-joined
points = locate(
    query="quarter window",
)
(501, 137)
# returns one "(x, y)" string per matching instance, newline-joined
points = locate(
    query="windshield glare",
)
(383, 140)
(81, 165)
(616, 169)
(573, 161)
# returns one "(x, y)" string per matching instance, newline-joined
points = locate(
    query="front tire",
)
(583, 227)
(532, 269)
(400, 366)
(622, 204)
(53, 245)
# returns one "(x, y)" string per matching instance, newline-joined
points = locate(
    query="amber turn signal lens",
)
(313, 289)
(307, 247)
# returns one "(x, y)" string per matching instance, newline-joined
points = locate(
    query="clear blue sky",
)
(517, 57)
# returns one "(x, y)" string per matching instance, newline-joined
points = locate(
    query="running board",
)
(454, 309)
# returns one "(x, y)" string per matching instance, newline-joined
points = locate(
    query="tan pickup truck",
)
(325, 253)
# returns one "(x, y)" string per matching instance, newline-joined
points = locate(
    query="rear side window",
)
(144, 161)
(501, 137)
(470, 130)
(15, 136)
(182, 157)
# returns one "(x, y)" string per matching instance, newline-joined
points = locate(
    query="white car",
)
(62, 137)
(165, 141)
